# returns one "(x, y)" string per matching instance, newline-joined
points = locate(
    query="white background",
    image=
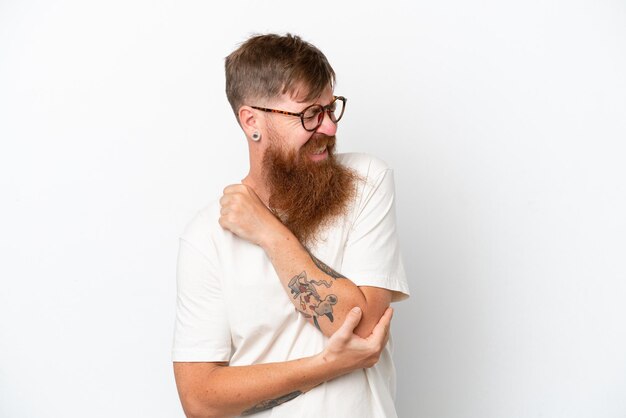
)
(505, 123)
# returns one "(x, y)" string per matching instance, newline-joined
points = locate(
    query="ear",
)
(248, 121)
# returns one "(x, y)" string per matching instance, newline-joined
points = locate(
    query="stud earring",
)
(256, 136)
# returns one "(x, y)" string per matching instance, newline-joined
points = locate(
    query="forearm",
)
(308, 285)
(321, 294)
(222, 391)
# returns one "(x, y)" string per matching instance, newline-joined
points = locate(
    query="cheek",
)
(302, 141)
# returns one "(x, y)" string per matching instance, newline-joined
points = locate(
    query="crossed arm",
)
(323, 296)
(219, 390)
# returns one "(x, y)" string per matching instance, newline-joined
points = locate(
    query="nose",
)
(328, 127)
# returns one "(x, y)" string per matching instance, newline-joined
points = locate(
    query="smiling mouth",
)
(319, 150)
(319, 147)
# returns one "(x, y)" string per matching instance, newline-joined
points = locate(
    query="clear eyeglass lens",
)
(337, 110)
(312, 116)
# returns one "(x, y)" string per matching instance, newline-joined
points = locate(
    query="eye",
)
(312, 113)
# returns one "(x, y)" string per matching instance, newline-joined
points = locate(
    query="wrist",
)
(275, 237)
(330, 364)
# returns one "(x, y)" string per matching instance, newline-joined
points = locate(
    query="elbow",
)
(369, 319)
(194, 408)
(197, 392)
(198, 403)
(204, 414)
(376, 303)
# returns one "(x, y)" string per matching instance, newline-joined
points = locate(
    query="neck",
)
(254, 178)
(258, 185)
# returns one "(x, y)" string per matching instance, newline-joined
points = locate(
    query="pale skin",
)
(245, 215)
(219, 390)
(357, 336)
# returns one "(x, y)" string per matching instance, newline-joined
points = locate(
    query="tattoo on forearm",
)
(311, 303)
(271, 403)
(325, 268)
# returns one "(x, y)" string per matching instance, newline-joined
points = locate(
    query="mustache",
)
(319, 140)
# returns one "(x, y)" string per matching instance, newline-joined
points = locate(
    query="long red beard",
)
(307, 195)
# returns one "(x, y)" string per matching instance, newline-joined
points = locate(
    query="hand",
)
(349, 351)
(245, 215)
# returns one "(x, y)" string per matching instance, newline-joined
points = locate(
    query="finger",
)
(225, 199)
(386, 339)
(382, 327)
(234, 188)
(349, 324)
(387, 335)
(227, 224)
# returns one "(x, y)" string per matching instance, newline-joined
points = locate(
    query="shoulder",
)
(367, 166)
(203, 230)
(375, 176)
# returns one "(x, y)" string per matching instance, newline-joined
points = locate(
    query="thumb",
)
(352, 320)
(251, 191)
(381, 330)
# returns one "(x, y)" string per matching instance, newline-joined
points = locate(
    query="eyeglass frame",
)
(325, 109)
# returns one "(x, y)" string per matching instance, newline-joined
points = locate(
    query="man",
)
(266, 324)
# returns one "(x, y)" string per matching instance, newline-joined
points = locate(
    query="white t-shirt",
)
(232, 307)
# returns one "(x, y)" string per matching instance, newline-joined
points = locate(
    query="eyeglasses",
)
(313, 116)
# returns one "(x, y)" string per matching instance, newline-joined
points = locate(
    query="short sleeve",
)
(372, 253)
(201, 333)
